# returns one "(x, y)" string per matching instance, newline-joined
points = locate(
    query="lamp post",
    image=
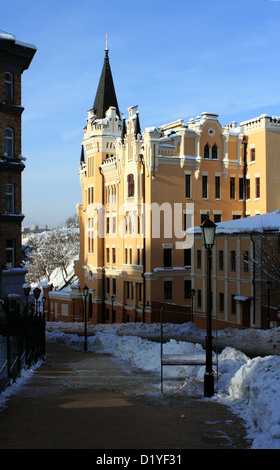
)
(192, 296)
(37, 292)
(268, 288)
(208, 235)
(85, 292)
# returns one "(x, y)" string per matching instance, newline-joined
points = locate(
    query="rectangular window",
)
(113, 255)
(221, 302)
(107, 255)
(204, 217)
(204, 186)
(217, 218)
(258, 188)
(139, 292)
(10, 253)
(241, 188)
(107, 285)
(245, 261)
(253, 155)
(232, 261)
(187, 289)
(188, 186)
(232, 188)
(187, 257)
(221, 260)
(127, 290)
(217, 187)
(248, 188)
(10, 198)
(167, 257)
(198, 259)
(107, 225)
(167, 290)
(130, 255)
(138, 256)
(8, 87)
(130, 182)
(114, 285)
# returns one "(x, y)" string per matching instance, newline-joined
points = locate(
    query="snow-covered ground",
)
(250, 387)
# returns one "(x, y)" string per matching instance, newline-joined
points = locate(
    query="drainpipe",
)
(244, 142)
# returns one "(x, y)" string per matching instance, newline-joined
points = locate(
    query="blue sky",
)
(174, 60)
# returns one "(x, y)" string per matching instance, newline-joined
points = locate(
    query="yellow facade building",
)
(142, 188)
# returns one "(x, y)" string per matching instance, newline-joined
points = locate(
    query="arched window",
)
(130, 184)
(206, 151)
(215, 151)
(9, 142)
(9, 86)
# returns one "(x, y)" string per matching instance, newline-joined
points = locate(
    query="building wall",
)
(15, 58)
(169, 153)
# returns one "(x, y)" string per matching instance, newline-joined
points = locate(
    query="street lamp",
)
(37, 292)
(208, 229)
(268, 288)
(192, 296)
(85, 292)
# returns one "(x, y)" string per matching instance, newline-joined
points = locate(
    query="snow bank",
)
(250, 387)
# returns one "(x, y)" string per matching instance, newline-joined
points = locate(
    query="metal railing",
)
(22, 342)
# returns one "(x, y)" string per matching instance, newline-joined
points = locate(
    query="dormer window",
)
(130, 184)
(9, 79)
(9, 142)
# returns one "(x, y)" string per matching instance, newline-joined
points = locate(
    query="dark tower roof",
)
(123, 130)
(137, 130)
(105, 95)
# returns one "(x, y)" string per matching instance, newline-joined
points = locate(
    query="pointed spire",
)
(137, 130)
(124, 131)
(82, 159)
(105, 95)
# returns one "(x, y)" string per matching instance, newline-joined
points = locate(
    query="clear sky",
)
(174, 59)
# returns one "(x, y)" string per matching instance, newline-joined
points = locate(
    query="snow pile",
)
(250, 387)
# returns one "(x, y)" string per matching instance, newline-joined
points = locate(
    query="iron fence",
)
(22, 342)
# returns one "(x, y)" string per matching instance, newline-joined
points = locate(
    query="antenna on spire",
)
(106, 40)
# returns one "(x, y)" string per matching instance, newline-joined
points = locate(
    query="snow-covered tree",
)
(49, 251)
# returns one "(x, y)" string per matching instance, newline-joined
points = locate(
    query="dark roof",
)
(124, 131)
(137, 130)
(15, 55)
(105, 95)
(82, 159)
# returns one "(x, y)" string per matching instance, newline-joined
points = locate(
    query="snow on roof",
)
(259, 223)
(11, 37)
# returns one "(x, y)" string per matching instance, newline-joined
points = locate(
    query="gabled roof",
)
(105, 95)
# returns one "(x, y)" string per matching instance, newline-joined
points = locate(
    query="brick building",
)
(15, 57)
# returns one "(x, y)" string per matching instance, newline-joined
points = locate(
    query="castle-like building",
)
(135, 260)
(141, 189)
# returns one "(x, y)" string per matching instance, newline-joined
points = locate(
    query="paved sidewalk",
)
(79, 400)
